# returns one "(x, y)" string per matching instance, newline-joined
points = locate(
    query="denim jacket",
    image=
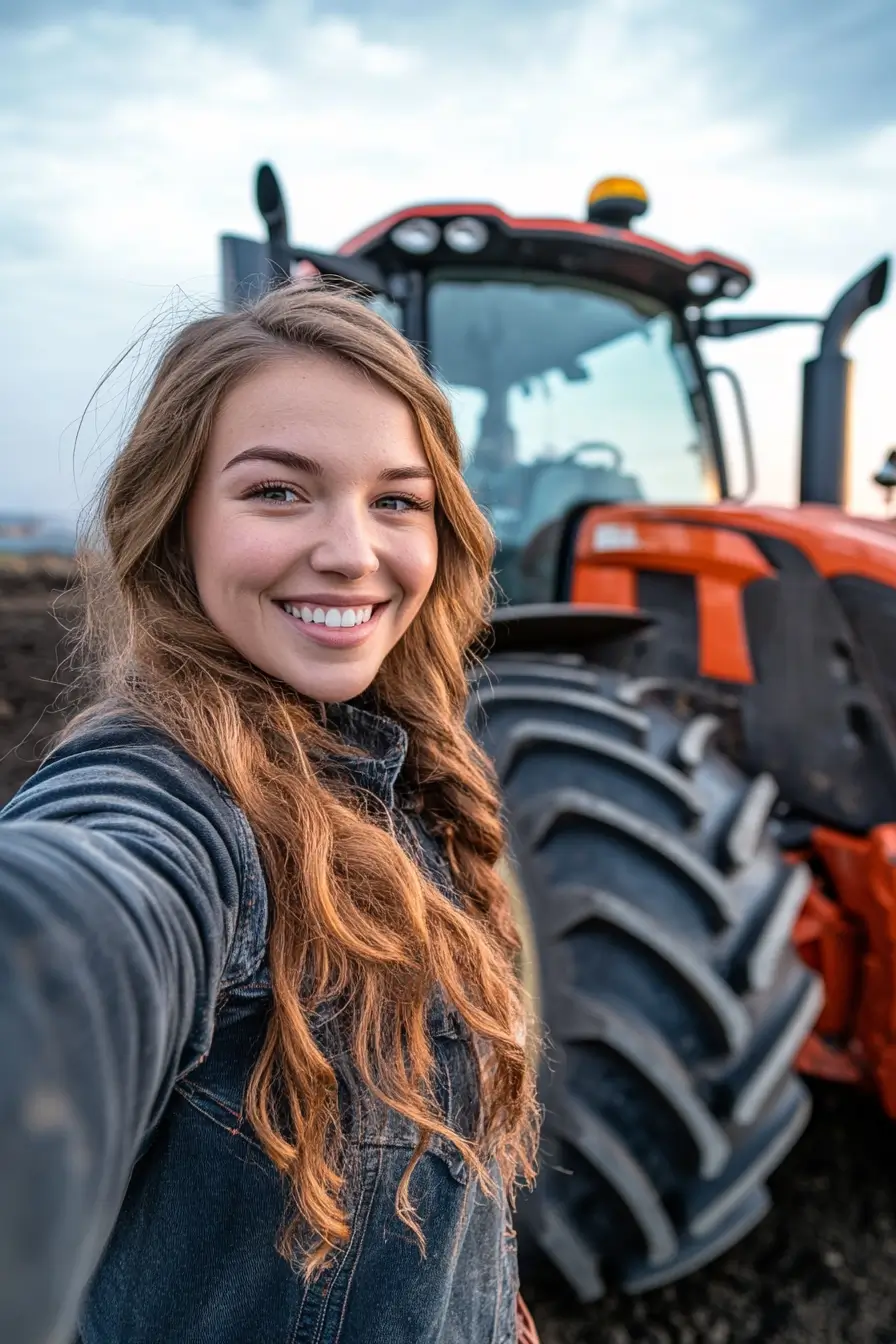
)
(136, 1203)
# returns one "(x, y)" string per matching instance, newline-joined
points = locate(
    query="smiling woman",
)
(266, 1046)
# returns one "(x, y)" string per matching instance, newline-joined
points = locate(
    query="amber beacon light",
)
(616, 201)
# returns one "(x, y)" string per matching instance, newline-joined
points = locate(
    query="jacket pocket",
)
(456, 1093)
(221, 1110)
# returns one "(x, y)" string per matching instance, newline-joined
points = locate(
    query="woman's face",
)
(311, 526)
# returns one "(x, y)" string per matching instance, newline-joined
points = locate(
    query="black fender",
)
(561, 628)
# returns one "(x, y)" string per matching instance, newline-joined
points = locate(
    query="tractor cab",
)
(566, 348)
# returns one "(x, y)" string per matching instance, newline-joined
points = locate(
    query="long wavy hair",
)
(353, 919)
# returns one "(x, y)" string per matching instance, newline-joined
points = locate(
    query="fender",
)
(561, 628)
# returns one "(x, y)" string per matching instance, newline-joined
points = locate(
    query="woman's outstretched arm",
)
(120, 876)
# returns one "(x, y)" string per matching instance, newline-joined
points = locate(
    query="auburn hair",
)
(352, 918)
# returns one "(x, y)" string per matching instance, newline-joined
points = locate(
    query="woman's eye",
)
(401, 503)
(275, 493)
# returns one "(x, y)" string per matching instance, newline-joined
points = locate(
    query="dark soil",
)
(821, 1268)
(35, 612)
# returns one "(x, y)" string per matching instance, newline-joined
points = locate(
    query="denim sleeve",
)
(121, 867)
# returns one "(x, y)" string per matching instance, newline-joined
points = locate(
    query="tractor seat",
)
(558, 487)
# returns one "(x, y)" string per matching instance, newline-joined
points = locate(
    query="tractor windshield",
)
(565, 393)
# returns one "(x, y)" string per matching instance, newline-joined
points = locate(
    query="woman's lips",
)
(331, 636)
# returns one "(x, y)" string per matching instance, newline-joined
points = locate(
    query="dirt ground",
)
(821, 1268)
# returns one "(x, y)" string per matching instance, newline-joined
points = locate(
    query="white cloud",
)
(132, 143)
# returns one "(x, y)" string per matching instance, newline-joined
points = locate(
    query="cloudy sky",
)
(130, 130)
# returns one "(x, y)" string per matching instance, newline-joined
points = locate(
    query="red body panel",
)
(615, 542)
(847, 931)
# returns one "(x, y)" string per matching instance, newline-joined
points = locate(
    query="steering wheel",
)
(607, 449)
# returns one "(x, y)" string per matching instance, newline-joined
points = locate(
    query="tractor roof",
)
(562, 246)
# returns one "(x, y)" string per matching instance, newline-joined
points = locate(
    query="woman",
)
(265, 1075)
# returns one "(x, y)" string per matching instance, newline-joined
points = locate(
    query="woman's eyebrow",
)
(284, 456)
(299, 462)
(417, 472)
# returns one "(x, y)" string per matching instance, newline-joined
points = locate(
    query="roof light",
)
(416, 235)
(734, 286)
(466, 234)
(616, 201)
(704, 281)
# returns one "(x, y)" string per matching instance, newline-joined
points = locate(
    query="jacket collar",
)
(384, 742)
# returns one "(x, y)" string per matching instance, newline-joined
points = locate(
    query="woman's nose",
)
(344, 545)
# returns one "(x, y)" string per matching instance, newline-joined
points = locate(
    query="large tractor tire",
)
(660, 910)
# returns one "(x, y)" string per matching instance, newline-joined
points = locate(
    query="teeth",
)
(334, 617)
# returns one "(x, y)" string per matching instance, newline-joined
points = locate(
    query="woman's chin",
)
(334, 686)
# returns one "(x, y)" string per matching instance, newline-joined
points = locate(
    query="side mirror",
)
(734, 423)
(886, 477)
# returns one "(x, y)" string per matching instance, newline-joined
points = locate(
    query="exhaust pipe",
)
(824, 453)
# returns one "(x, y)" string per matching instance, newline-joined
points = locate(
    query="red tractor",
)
(689, 701)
